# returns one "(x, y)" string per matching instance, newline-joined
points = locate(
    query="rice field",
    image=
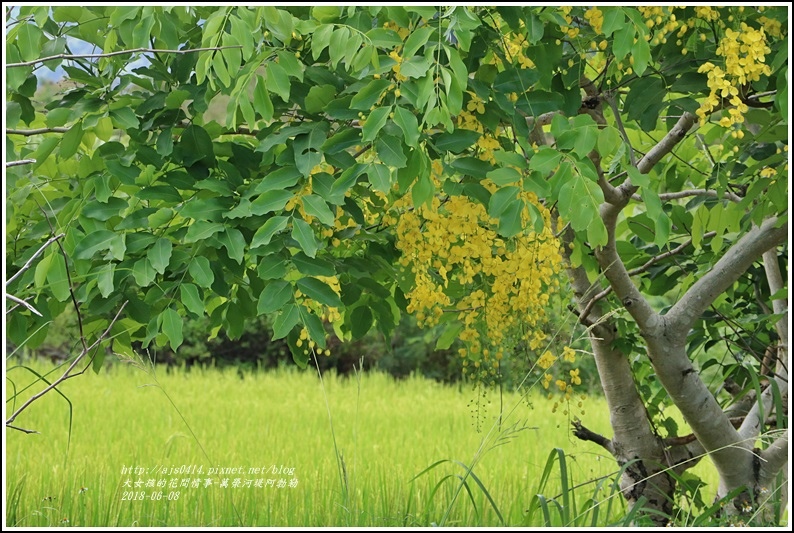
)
(214, 448)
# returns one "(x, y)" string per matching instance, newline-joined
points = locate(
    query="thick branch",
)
(733, 264)
(644, 268)
(776, 456)
(666, 145)
(117, 53)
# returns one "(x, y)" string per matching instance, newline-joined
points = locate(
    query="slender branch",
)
(20, 163)
(65, 375)
(117, 53)
(23, 430)
(615, 111)
(689, 193)
(29, 262)
(22, 303)
(37, 131)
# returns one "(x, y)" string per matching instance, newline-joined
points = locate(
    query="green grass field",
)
(387, 433)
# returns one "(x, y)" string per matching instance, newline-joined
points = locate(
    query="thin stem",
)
(117, 53)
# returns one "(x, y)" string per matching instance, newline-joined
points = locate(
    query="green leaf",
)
(274, 296)
(70, 141)
(196, 145)
(450, 334)
(614, 19)
(390, 151)
(234, 242)
(124, 118)
(321, 38)
(105, 280)
(271, 268)
(637, 178)
(417, 39)
(319, 291)
(278, 81)
(104, 211)
(288, 318)
(303, 233)
(579, 201)
(172, 327)
(360, 321)
(201, 272)
(274, 200)
(92, 243)
(159, 255)
(283, 178)
(273, 225)
(313, 325)
(545, 160)
(58, 279)
(319, 96)
(316, 206)
(502, 199)
(623, 41)
(28, 41)
(642, 56)
(143, 272)
(504, 176)
(201, 230)
(369, 94)
(409, 125)
(262, 103)
(457, 141)
(191, 299)
(313, 266)
(380, 177)
(374, 123)
(608, 141)
(422, 191)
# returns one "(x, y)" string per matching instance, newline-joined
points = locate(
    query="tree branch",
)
(668, 142)
(725, 272)
(37, 131)
(634, 271)
(582, 433)
(774, 457)
(117, 53)
(29, 262)
(66, 375)
(22, 303)
(19, 163)
(665, 196)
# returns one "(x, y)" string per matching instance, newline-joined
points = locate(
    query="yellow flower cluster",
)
(707, 13)
(395, 55)
(596, 19)
(570, 31)
(772, 27)
(745, 55)
(452, 247)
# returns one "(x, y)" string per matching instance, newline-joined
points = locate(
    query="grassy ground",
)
(386, 432)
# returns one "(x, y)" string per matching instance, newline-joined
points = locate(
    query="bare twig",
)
(36, 131)
(21, 162)
(34, 256)
(23, 430)
(117, 53)
(22, 303)
(615, 111)
(66, 375)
